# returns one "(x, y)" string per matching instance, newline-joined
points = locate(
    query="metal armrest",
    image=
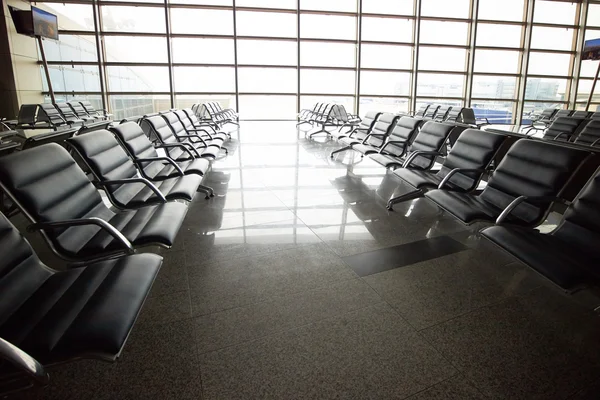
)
(562, 133)
(135, 180)
(179, 145)
(595, 142)
(167, 159)
(114, 232)
(513, 204)
(392, 142)
(455, 171)
(23, 362)
(192, 137)
(382, 135)
(414, 155)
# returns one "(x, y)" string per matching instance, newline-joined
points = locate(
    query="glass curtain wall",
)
(270, 58)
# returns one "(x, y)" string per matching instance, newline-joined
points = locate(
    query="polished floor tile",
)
(258, 299)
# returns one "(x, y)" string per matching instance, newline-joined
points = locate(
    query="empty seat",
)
(595, 115)
(362, 130)
(201, 123)
(454, 114)
(424, 149)
(398, 140)
(442, 113)
(68, 114)
(462, 169)
(569, 256)
(379, 134)
(56, 195)
(206, 131)
(58, 316)
(80, 112)
(590, 134)
(150, 163)
(530, 177)
(581, 114)
(157, 128)
(209, 147)
(89, 108)
(48, 113)
(116, 173)
(422, 110)
(562, 113)
(564, 128)
(431, 112)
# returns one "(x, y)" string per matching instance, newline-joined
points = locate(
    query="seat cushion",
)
(386, 160)
(87, 311)
(559, 261)
(465, 207)
(417, 178)
(199, 166)
(365, 148)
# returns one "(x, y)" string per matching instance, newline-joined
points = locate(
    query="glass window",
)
(327, 27)
(289, 4)
(507, 10)
(252, 23)
(136, 49)
(593, 17)
(137, 79)
(131, 105)
(499, 35)
(549, 64)
(386, 56)
(536, 108)
(330, 5)
(552, 38)
(555, 12)
(71, 48)
(267, 80)
(188, 100)
(310, 101)
(589, 68)
(496, 112)
(440, 85)
(442, 59)
(201, 21)
(267, 107)
(442, 32)
(327, 81)
(445, 8)
(383, 104)
(204, 79)
(384, 83)
(584, 86)
(592, 34)
(203, 51)
(387, 29)
(267, 52)
(401, 7)
(68, 78)
(545, 89)
(74, 17)
(444, 102)
(201, 2)
(494, 87)
(133, 19)
(501, 61)
(328, 54)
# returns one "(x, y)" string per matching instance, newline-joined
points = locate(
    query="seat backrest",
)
(563, 127)
(404, 130)
(66, 111)
(431, 111)
(384, 126)
(589, 134)
(50, 114)
(442, 113)
(467, 116)
(369, 120)
(185, 121)
(48, 184)
(532, 168)
(134, 140)
(431, 137)
(174, 123)
(192, 116)
(88, 107)
(342, 114)
(595, 115)
(454, 114)
(27, 114)
(21, 274)
(581, 114)
(157, 128)
(548, 114)
(474, 149)
(78, 109)
(581, 221)
(422, 110)
(563, 113)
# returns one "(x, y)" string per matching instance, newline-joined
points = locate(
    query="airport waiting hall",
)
(255, 199)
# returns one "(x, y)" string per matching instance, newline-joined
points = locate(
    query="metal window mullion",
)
(526, 45)
(358, 57)
(468, 88)
(169, 54)
(235, 59)
(100, 54)
(578, 44)
(415, 54)
(298, 55)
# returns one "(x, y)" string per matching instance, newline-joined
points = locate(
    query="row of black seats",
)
(88, 311)
(545, 118)
(582, 131)
(213, 111)
(55, 116)
(327, 114)
(528, 178)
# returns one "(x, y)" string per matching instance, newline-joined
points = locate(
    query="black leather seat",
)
(116, 173)
(590, 134)
(422, 152)
(454, 115)
(462, 169)
(49, 114)
(422, 110)
(569, 256)
(157, 128)
(201, 123)
(85, 312)
(535, 169)
(205, 132)
(89, 108)
(564, 128)
(398, 140)
(378, 135)
(56, 195)
(431, 111)
(209, 146)
(442, 113)
(360, 132)
(144, 154)
(194, 123)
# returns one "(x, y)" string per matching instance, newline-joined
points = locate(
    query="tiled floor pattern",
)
(256, 300)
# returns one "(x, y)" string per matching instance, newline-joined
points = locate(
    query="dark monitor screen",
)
(591, 50)
(22, 20)
(44, 23)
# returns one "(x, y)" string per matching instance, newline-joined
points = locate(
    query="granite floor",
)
(264, 296)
